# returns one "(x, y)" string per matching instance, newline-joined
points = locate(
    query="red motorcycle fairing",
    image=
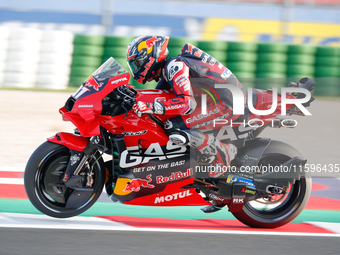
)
(172, 195)
(158, 183)
(137, 131)
(140, 131)
(87, 108)
(71, 141)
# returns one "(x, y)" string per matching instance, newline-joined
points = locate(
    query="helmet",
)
(145, 55)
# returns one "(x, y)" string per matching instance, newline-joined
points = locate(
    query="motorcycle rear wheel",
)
(45, 188)
(286, 210)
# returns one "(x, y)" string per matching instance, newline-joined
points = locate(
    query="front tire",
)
(273, 215)
(45, 188)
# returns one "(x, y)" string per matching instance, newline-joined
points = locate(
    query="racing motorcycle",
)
(264, 186)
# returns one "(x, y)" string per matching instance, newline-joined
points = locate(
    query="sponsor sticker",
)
(226, 74)
(174, 176)
(173, 107)
(143, 132)
(175, 196)
(119, 80)
(249, 183)
(202, 116)
(173, 68)
(135, 184)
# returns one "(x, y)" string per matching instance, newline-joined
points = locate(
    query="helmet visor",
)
(134, 66)
(137, 63)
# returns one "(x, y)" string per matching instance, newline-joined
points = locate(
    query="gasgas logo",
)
(154, 151)
(202, 116)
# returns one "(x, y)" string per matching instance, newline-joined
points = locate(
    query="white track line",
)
(13, 220)
(19, 181)
(18, 220)
(16, 181)
(331, 226)
(12, 169)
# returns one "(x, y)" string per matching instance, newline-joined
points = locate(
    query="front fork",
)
(77, 161)
(71, 178)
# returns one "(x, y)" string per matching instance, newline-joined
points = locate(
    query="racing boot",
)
(226, 153)
(207, 149)
(196, 139)
(212, 151)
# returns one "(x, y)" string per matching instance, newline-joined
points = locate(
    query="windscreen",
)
(107, 70)
(96, 81)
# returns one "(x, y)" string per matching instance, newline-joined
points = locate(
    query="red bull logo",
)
(174, 176)
(135, 184)
(92, 83)
(148, 44)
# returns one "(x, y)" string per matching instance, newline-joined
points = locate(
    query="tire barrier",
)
(87, 57)
(271, 65)
(58, 59)
(22, 59)
(217, 49)
(273, 48)
(300, 61)
(327, 71)
(4, 35)
(54, 66)
(35, 58)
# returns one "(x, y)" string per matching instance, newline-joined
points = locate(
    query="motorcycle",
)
(66, 174)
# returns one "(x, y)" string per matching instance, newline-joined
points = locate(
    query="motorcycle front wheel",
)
(271, 212)
(45, 188)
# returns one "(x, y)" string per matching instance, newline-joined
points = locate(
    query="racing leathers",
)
(192, 76)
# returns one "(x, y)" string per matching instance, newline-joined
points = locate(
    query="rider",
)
(189, 75)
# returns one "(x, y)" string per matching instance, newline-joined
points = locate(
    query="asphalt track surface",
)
(30, 117)
(52, 241)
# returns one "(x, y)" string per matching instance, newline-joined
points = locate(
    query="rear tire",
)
(43, 181)
(287, 210)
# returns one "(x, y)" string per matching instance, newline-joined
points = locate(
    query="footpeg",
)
(211, 208)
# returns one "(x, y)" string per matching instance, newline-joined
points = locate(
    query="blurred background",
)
(57, 44)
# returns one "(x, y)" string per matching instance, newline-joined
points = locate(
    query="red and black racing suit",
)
(189, 75)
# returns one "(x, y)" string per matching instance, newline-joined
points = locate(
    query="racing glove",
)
(146, 107)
